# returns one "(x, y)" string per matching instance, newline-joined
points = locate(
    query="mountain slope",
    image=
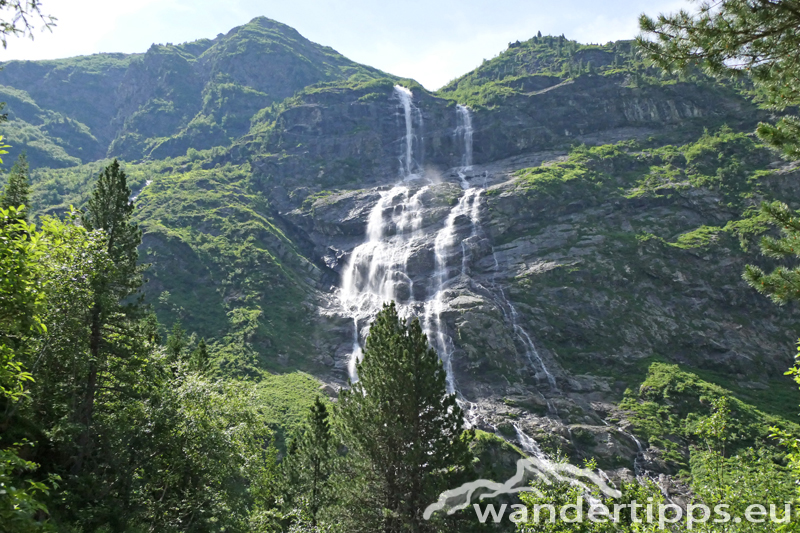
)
(173, 97)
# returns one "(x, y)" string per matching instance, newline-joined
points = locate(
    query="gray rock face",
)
(550, 305)
(348, 138)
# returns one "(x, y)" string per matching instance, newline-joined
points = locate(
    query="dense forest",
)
(179, 231)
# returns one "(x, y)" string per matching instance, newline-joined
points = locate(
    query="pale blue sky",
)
(432, 41)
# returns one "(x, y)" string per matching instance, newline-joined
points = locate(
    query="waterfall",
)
(443, 244)
(637, 469)
(136, 196)
(409, 166)
(510, 312)
(529, 445)
(464, 132)
(376, 272)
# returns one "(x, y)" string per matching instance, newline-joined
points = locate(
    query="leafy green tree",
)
(21, 299)
(69, 266)
(738, 481)
(19, 18)
(789, 441)
(754, 38)
(400, 420)
(16, 192)
(308, 468)
(544, 505)
(20, 317)
(204, 456)
(167, 448)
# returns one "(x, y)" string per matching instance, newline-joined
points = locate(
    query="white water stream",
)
(136, 196)
(377, 270)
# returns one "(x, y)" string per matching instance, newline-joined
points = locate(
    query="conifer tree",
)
(113, 314)
(401, 420)
(782, 285)
(110, 210)
(754, 38)
(16, 192)
(199, 360)
(309, 465)
(176, 341)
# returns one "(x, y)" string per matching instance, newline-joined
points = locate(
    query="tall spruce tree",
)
(400, 419)
(16, 192)
(114, 311)
(309, 464)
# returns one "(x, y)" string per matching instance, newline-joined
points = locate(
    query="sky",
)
(431, 41)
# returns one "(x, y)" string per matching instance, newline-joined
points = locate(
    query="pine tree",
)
(401, 420)
(176, 342)
(199, 360)
(782, 285)
(110, 210)
(758, 39)
(309, 465)
(16, 192)
(113, 314)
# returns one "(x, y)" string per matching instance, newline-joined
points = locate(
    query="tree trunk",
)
(87, 407)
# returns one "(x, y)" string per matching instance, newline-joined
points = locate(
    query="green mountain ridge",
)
(160, 103)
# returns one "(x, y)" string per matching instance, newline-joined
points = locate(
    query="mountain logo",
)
(529, 468)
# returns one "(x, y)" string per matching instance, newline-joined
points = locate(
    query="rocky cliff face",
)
(348, 135)
(548, 282)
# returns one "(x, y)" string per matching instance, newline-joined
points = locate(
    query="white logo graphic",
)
(530, 468)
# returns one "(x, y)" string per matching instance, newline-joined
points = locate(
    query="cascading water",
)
(136, 196)
(529, 446)
(377, 270)
(443, 244)
(510, 312)
(464, 133)
(409, 166)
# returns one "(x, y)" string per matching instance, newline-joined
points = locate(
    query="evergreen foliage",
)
(112, 318)
(758, 39)
(309, 467)
(400, 419)
(16, 192)
(782, 285)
